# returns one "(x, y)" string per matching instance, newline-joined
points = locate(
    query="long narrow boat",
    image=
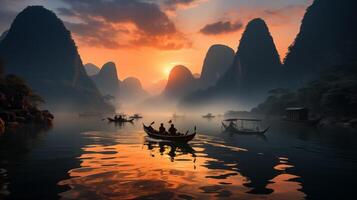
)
(174, 138)
(244, 131)
(208, 116)
(119, 120)
(136, 116)
(233, 127)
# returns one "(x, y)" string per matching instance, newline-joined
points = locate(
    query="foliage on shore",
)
(333, 94)
(19, 104)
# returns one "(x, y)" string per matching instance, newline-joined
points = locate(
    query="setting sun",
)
(166, 71)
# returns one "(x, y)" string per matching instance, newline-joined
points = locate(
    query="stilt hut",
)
(297, 113)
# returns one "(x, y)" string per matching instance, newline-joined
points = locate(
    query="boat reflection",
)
(174, 150)
(204, 169)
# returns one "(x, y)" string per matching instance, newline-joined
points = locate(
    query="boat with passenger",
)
(168, 135)
(121, 118)
(136, 116)
(236, 125)
(208, 115)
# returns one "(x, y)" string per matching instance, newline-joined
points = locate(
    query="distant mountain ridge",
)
(40, 49)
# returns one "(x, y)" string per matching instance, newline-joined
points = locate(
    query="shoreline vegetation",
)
(19, 105)
(332, 97)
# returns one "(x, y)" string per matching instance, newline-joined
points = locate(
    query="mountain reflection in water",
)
(161, 170)
(87, 158)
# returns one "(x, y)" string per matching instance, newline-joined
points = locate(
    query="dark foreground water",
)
(86, 158)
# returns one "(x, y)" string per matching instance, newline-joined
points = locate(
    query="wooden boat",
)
(233, 127)
(180, 137)
(209, 115)
(121, 119)
(136, 116)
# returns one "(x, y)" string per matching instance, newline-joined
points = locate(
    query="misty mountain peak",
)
(107, 79)
(180, 72)
(39, 49)
(218, 59)
(180, 82)
(132, 83)
(91, 69)
(256, 65)
(109, 70)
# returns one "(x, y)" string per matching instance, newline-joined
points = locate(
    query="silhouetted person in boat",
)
(162, 129)
(172, 130)
(232, 124)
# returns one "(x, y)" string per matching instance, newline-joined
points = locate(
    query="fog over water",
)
(92, 159)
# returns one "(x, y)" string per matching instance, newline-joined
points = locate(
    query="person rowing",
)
(162, 129)
(172, 130)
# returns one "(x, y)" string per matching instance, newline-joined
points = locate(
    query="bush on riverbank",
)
(18, 104)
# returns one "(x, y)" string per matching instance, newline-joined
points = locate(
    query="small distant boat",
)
(234, 127)
(209, 115)
(180, 137)
(136, 116)
(174, 116)
(119, 119)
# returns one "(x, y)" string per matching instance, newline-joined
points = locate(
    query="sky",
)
(146, 38)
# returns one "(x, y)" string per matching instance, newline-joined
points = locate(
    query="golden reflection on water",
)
(152, 170)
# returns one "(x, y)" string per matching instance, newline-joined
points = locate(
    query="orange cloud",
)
(107, 23)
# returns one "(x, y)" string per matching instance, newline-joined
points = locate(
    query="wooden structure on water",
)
(297, 114)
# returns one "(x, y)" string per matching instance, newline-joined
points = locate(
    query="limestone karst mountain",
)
(256, 68)
(91, 69)
(131, 91)
(180, 83)
(39, 49)
(107, 79)
(327, 38)
(218, 59)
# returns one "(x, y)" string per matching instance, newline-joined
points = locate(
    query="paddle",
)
(152, 123)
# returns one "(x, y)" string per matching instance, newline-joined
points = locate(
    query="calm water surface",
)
(86, 158)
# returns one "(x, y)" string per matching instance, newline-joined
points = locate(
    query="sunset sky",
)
(146, 38)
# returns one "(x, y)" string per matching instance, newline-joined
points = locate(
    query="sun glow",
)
(167, 70)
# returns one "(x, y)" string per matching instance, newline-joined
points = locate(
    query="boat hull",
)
(243, 132)
(120, 121)
(154, 134)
